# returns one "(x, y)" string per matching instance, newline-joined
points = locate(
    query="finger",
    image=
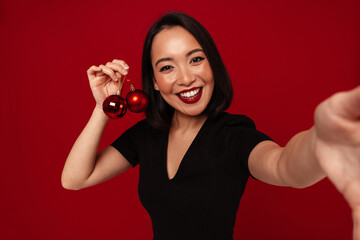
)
(347, 104)
(122, 63)
(109, 72)
(117, 68)
(118, 75)
(92, 70)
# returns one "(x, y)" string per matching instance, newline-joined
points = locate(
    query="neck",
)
(185, 122)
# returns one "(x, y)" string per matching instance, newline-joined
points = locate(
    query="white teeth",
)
(190, 94)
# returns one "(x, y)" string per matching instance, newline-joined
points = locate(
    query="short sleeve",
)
(247, 142)
(244, 137)
(127, 144)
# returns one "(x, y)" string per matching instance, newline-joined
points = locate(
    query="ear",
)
(155, 85)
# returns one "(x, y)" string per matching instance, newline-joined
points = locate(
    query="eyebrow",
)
(169, 58)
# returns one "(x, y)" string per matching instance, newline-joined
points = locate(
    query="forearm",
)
(82, 158)
(298, 166)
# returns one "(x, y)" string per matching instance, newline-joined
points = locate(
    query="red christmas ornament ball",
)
(137, 101)
(114, 106)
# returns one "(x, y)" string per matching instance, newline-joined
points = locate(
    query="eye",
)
(165, 68)
(197, 59)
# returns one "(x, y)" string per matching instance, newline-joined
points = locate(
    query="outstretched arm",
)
(331, 148)
(294, 165)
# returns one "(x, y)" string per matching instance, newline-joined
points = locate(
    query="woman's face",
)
(181, 70)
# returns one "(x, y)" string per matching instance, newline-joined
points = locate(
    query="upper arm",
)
(264, 163)
(109, 163)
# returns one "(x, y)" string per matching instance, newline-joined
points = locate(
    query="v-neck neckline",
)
(196, 139)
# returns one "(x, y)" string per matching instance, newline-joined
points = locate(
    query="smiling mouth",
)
(190, 96)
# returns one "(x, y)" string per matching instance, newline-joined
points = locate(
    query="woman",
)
(194, 158)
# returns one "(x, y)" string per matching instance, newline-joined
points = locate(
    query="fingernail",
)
(124, 71)
(116, 78)
(126, 66)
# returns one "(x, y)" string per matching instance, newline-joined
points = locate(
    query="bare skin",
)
(180, 139)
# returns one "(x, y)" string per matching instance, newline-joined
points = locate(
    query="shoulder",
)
(234, 121)
(238, 129)
(133, 141)
(139, 127)
(231, 128)
(140, 124)
(142, 132)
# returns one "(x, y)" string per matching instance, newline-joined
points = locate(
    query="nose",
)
(186, 77)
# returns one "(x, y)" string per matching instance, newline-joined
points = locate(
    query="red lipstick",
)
(190, 99)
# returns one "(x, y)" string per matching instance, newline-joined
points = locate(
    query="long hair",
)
(159, 113)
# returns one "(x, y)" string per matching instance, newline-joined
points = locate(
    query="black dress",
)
(202, 199)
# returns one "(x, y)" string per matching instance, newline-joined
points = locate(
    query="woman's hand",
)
(106, 79)
(337, 125)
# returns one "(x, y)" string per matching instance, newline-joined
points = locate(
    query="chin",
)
(193, 112)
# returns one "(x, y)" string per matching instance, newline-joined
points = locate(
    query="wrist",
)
(99, 113)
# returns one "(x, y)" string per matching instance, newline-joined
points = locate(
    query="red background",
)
(284, 57)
